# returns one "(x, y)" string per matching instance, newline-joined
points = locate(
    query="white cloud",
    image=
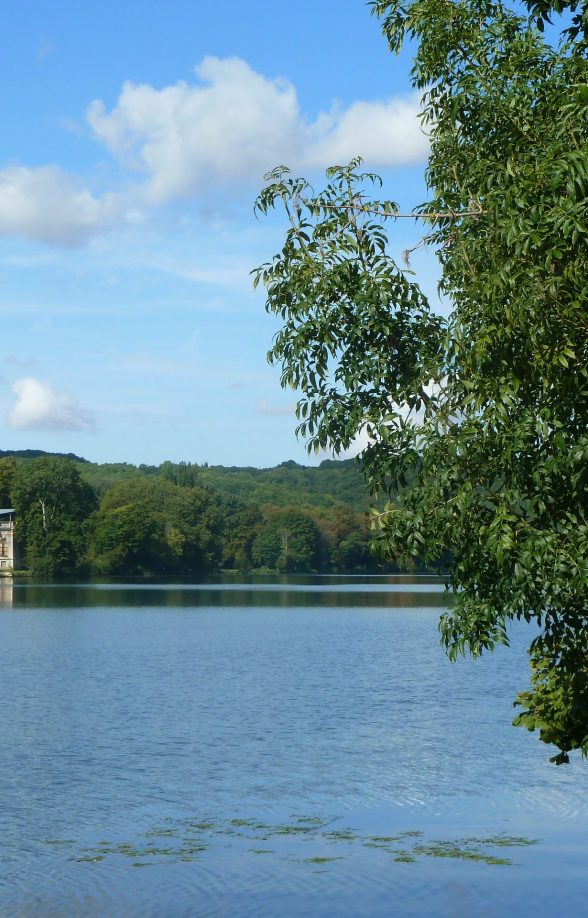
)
(189, 139)
(44, 204)
(39, 407)
(383, 133)
(235, 124)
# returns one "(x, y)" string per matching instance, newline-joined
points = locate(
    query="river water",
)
(282, 747)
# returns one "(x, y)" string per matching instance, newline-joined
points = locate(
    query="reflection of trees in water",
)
(6, 594)
(84, 596)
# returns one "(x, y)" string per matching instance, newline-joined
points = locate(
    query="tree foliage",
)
(52, 506)
(477, 425)
(289, 541)
(7, 474)
(149, 525)
(185, 519)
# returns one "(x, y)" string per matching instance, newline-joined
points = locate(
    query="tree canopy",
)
(52, 505)
(290, 542)
(151, 525)
(186, 519)
(477, 425)
(7, 473)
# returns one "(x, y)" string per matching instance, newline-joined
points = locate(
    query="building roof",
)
(8, 510)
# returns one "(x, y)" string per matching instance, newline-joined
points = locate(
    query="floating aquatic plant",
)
(189, 840)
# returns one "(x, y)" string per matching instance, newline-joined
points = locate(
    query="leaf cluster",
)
(476, 427)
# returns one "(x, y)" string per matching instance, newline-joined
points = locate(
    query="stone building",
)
(6, 540)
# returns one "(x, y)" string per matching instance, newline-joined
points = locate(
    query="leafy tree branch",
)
(476, 425)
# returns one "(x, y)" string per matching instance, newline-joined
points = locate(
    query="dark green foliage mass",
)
(38, 454)
(288, 541)
(7, 474)
(330, 484)
(189, 520)
(241, 522)
(149, 525)
(53, 505)
(146, 525)
(478, 424)
(290, 484)
(332, 495)
(185, 474)
(346, 539)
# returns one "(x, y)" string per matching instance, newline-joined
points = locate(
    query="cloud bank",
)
(235, 124)
(183, 141)
(40, 407)
(46, 205)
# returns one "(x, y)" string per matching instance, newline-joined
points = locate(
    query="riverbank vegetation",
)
(76, 517)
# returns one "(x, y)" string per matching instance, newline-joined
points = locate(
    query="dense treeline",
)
(36, 453)
(79, 517)
(330, 484)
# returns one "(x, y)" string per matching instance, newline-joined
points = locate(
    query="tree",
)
(125, 539)
(184, 474)
(289, 541)
(346, 540)
(7, 473)
(52, 506)
(149, 525)
(478, 424)
(240, 523)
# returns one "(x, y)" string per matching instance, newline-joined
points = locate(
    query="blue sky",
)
(135, 137)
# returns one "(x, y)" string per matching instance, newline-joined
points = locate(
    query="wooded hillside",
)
(181, 518)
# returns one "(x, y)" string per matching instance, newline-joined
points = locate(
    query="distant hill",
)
(192, 519)
(289, 484)
(333, 482)
(36, 453)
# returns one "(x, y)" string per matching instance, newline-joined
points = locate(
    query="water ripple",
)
(326, 703)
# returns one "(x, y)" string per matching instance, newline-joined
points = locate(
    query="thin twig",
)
(397, 215)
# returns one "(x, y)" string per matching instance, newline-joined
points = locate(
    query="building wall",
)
(6, 543)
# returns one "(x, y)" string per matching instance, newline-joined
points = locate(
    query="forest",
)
(75, 517)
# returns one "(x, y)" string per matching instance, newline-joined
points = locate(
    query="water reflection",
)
(6, 593)
(269, 748)
(325, 592)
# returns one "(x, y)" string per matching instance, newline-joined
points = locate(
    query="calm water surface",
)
(297, 747)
